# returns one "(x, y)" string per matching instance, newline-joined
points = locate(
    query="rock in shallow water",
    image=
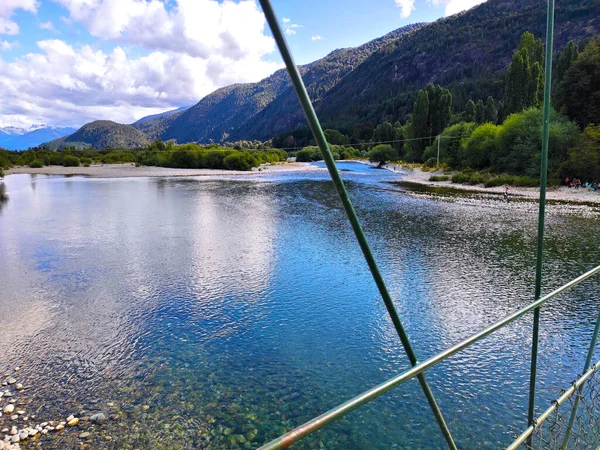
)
(84, 435)
(98, 418)
(11, 380)
(73, 422)
(9, 409)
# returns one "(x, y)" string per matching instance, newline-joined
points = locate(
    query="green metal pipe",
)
(586, 366)
(317, 131)
(343, 409)
(528, 433)
(542, 208)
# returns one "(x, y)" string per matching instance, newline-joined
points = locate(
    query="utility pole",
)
(438, 158)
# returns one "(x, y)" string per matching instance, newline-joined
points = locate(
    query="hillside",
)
(232, 112)
(154, 126)
(102, 134)
(468, 53)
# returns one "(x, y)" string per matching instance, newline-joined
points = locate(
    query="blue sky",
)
(66, 62)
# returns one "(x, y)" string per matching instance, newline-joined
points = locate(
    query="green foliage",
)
(524, 78)
(479, 112)
(70, 161)
(309, 154)
(430, 163)
(470, 111)
(384, 132)
(36, 164)
(439, 178)
(85, 162)
(240, 161)
(382, 153)
(479, 147)
(584, 157)
(519, 142)
(578, 94)
(565, 59)
(491, 111)
(335, 137)
(451, 143)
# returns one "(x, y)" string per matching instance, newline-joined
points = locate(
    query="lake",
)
(217, 312)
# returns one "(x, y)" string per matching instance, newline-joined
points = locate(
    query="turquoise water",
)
(219, 313)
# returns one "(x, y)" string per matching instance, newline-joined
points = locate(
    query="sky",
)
(68, 62)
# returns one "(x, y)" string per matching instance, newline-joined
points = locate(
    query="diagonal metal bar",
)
(335, 413)
(349, 208)
(586, 366)
(542, 210)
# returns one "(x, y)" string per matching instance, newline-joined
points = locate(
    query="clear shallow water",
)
(236, 309)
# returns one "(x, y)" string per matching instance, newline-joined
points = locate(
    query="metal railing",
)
(418, 368)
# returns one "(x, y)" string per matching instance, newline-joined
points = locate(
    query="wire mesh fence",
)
(573, 420)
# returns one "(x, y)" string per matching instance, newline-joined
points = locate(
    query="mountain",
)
(13, 138)
(103, 134)
(467, 53)
(355, 89)
(154, 126)
(230, 112)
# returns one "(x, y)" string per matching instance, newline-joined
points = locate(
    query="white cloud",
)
(316, 38)
(290, 28)
(7, 46)
(47, 26)
(199, 28)
(7, 9)
(62, 85)
(456, 6)
(192, 48)
(406, 7)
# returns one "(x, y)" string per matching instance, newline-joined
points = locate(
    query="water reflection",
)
(218, 313)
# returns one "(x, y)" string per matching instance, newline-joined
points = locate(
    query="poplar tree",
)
(470, 111)
(524, 78)
(491, 111)
(479, 112)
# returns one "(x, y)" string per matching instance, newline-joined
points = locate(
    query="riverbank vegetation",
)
(188, 156)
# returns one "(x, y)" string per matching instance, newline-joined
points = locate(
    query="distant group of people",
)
(575, 183)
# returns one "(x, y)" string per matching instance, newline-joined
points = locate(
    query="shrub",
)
(86, 161)
(36, 164)
(240, 161)
(70, 161)
(439, 178)
(461, 177)
(431, 162)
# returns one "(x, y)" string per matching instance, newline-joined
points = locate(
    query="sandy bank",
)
(129, 170)
(562, 193)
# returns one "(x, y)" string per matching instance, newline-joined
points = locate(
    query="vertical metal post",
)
(588, 362)
(542, 211)
(438, 158)
(317, 131)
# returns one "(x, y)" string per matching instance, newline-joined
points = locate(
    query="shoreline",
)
(131, 171)
(559, 194)
(408, 176)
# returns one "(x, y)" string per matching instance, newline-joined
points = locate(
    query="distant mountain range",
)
(363, 86)
(13, 138)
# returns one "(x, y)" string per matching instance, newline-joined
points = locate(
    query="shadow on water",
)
(3, 195)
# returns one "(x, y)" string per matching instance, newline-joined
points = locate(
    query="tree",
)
(431, 116)
(384, 132)
(520, 140)
(419, 127)
(524, 78)
(470, 111)
(565, 59)
(491, 112)
(578, 95)
(584, 158)
(383, 153)
(479, 148)
(335, 137)
(479, 112)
